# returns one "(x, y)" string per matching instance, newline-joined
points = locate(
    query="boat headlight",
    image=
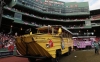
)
(47, 45)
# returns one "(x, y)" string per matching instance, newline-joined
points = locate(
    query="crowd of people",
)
(95, 17)
(7, 41)
(47, 18)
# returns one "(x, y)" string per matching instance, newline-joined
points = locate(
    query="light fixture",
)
(21, 29)
(87, 30)
(92, 33)
(79, 31)
(11, 26)
(84, 33)
(94, 30)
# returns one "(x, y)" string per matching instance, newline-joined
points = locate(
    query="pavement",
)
(75, 56)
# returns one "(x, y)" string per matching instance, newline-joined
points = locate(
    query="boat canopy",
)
(57, 28)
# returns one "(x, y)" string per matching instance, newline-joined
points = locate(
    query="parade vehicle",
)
(49, 42)
(83, 42)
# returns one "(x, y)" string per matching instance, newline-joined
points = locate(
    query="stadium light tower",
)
(1, 10)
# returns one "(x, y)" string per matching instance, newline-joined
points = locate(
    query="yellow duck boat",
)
(48, 42)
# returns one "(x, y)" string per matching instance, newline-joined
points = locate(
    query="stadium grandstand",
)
(20, 15)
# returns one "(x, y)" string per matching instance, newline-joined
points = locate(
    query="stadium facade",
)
(19, 15)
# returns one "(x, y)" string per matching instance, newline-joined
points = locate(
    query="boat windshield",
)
(45, 30)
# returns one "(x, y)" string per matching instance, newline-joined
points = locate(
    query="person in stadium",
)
(96, 46)
(11, 47)
(99, 43)
(28, 31)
